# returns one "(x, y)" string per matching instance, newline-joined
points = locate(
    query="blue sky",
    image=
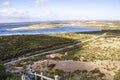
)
(42, 10)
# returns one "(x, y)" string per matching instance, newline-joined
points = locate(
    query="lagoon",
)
(61, 29)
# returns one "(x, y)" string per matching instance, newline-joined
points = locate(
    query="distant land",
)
(55, 24)
(36, 27)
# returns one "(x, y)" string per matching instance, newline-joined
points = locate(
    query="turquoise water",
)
(62, 29)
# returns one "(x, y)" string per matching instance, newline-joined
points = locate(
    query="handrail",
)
(42, 77)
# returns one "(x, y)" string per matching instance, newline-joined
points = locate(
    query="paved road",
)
(56, 50)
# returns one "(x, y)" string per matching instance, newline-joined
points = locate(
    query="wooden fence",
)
(42, 77)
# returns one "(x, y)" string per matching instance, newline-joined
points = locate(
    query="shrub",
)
(51, 66)
(117, 76)
(3, 73)
(96, 70)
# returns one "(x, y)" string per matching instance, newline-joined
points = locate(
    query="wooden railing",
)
(42, 77)
(45, 77)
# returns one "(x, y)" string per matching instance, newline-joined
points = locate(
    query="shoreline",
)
(85, 32)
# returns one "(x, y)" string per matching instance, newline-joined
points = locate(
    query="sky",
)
(44, 10)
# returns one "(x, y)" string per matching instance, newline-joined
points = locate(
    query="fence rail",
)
(41, 76)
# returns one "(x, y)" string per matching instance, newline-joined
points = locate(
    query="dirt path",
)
(53, 51)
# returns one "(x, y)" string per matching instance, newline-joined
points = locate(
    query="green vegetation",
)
(103, 48)
(51, 66)
(2, 72)
(4, 75)
(24, 45)
(14, 46)
(117, 76)
(77, 74)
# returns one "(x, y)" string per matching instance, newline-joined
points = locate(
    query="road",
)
(56, 50)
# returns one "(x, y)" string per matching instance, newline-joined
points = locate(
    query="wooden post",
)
(35, 76)
(41, 76)
(22, 77)
(56, 77)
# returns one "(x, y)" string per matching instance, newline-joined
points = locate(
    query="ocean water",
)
(62, 29)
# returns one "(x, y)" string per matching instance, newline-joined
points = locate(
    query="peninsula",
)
(36, 27)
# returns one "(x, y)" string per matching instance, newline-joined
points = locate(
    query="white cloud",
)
(12, 12)
(41, 1)
(16, 13)
(6, 3)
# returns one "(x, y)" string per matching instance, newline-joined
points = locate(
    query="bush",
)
(117, 76)
(3, 74)
(51, 66)
(96, 70)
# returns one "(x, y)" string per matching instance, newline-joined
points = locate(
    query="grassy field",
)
(22, 45)
(103, 48)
